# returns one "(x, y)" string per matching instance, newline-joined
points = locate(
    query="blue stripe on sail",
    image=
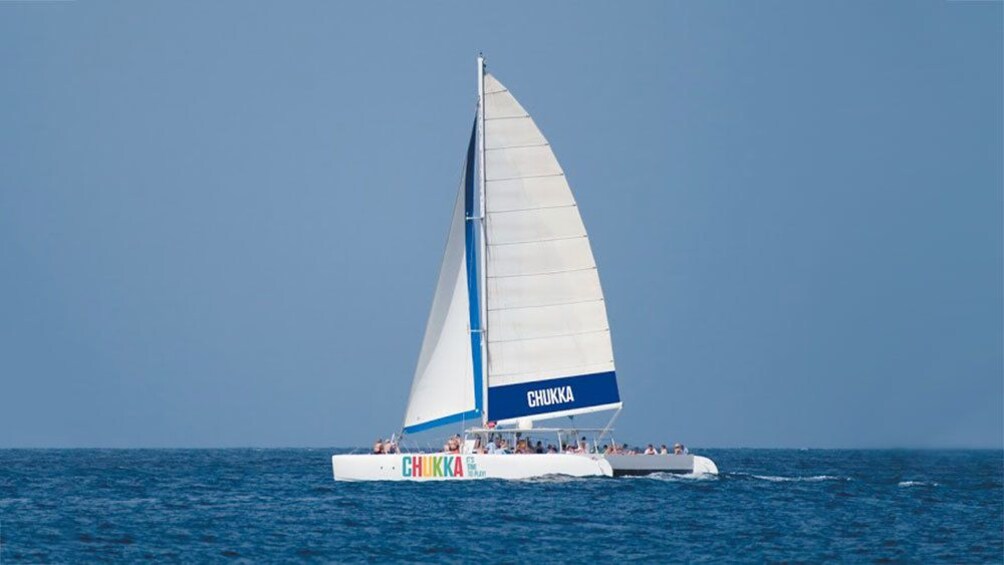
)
(473, 415)
(472, 269)
(552, 395)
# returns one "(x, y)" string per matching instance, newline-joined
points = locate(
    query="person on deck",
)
(678, 449)
(539, 447)
(583, 446)
(378, 447)
(663, 450)
(650, 450)
(520, 447)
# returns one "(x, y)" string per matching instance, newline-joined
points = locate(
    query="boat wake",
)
(676, 477)
(779, 479)
(554, 479)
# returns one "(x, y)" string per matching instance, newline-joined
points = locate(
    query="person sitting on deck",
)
(583, 446)
(678, 449)
(390, 446)
(663, 450)
(551, 448)
(378, 447)
(476, 448)
(539, 447)
(520, 447)
(650, 450)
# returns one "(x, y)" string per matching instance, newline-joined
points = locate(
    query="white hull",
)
(626, 465)
(447, 467)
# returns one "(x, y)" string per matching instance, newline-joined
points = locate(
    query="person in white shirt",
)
(496, 448)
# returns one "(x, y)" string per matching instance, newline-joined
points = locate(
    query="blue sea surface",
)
(269, 505)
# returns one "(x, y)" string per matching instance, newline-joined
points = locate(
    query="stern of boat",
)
(704, 466)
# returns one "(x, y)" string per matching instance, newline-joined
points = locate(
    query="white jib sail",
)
(549, 348)
(443, 388)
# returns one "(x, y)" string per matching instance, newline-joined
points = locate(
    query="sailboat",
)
(518, 330)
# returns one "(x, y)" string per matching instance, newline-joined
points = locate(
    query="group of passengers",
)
(500, 446)
(385, 447)
(614, 449)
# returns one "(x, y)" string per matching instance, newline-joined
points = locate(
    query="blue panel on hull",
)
(552, 395)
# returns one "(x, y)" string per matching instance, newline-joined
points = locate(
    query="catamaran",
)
(518, 330)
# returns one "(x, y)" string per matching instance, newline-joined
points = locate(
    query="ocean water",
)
(280, 505)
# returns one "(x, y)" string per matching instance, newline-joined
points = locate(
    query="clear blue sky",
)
(221, 223)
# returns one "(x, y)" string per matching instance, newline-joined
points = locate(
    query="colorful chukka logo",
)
(432, 466)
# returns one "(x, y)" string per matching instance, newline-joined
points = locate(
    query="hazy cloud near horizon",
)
(221, 223)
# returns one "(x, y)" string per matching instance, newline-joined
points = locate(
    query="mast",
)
(483, 247)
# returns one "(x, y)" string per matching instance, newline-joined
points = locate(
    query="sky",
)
(221, 223)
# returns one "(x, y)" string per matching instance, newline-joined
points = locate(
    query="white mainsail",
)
(549, 347)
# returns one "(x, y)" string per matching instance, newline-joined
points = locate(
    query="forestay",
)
(548, 339)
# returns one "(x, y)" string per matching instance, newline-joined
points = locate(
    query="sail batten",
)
(542, 273)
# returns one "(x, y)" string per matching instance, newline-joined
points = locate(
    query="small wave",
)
(554, 479)
(677, 477)
(131, 501)
(917, 484)
(811, 479)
